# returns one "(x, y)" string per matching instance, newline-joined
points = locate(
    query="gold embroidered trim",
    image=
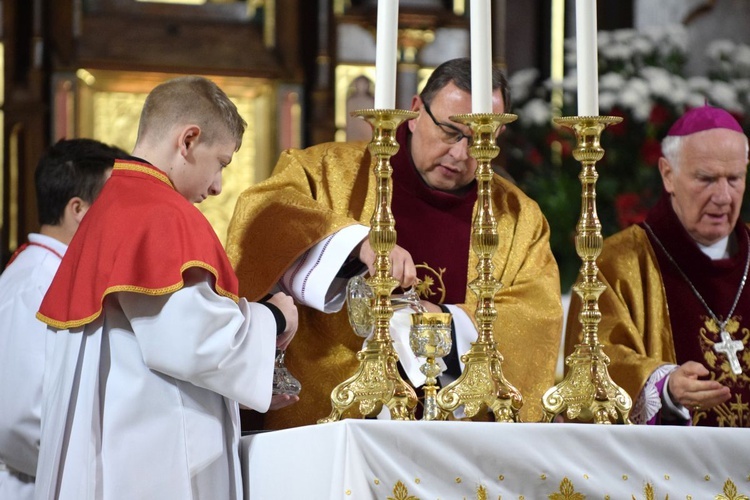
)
(125, 165)
(567, 491)
(67, 325)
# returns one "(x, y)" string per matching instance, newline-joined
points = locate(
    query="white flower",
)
(698, 83)
(617, 52)
(607, 100)
(611, 81)
(624, 35)
(695, 100)
(602, 38)
(570, 82)
(719, 49)
(678, 93)
(641, 46)
(535, 112)
(521, 83)
(659, 81)
(635, 97)
(725, 96)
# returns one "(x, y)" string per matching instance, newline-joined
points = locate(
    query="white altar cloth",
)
(371, 459)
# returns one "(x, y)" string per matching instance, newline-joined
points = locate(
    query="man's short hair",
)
(70, 168)
(190, 99)
(458, 71)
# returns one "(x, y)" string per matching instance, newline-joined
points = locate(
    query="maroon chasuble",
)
(433, 226)
(693, 329)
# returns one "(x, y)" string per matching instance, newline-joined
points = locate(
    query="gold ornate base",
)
(482, 385)
(375, 383)
(587, 393)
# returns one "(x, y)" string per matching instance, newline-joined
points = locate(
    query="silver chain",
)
(722, 324)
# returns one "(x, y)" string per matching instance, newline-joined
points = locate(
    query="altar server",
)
(149, 356)
(67, 179)
(676, 311)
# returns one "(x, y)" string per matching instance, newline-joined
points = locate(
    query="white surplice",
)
(22, 287)
(142, 402)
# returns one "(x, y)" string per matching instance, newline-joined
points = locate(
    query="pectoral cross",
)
(729, 348)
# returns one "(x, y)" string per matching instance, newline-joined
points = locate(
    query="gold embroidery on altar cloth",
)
(730, 492)
(481, 493)
(432, 286)
(567, 492)
(401, 492)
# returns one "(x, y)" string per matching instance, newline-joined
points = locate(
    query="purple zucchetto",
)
(704, 118)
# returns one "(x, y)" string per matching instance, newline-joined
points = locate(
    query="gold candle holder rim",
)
(570, 121)
(469, 118)
(406, 114)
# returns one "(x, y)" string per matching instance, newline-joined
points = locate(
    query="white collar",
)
(718, 250)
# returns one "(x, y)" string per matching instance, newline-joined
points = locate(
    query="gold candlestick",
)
(377, 381)
(587, 392)
(482, 384)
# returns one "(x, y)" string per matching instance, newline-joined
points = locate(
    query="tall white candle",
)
(586, 53)
(481, 57)
(386, 48)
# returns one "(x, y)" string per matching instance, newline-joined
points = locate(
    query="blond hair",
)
(190, 99)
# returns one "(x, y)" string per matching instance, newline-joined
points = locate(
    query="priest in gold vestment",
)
(676, 311)
(308, 226)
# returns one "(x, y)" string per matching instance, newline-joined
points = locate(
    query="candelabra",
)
(587, 392)
(482, 384)
(377, 381)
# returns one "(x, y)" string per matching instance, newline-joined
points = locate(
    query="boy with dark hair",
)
(68, 178)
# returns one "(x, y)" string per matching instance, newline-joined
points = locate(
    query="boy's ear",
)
(76, 208)
(189, 138)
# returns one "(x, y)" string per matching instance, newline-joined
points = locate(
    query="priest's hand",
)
(402, 265)
(688, 389)
(279, 401)
(430, 307)
(285, 303)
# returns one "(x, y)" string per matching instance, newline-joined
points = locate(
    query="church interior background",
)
(296, 68)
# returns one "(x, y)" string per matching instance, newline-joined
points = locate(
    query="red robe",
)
(139, 236)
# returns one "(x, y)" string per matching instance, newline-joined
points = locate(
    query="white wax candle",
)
(481, 57)
(586, 53)
(386, 48)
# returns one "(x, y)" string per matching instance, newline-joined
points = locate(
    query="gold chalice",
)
(430, 338)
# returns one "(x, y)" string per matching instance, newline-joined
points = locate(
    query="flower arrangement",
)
(642, 79)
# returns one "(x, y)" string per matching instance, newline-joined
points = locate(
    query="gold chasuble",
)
(651, 316)
(320, 190)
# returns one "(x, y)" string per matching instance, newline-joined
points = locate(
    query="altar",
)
(371, 459)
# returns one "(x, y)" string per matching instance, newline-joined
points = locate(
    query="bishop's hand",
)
(688, 389)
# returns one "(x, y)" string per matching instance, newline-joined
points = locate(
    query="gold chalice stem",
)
(431, 410)
(482, 384)
(587, 392)
(377, 381)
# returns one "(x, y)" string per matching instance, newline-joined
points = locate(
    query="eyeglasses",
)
(451, 133)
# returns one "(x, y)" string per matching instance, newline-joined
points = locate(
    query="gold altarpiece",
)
(106, 105)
